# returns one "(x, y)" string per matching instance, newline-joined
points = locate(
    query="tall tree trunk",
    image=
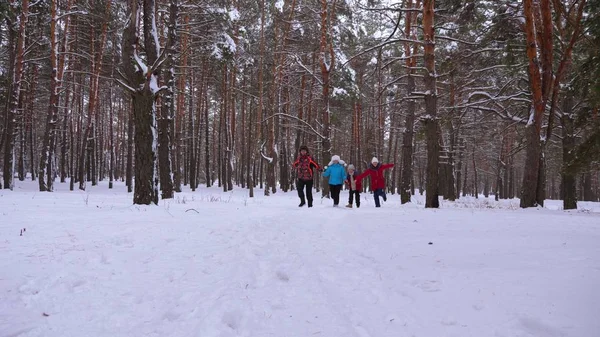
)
(13, 98)
(90, 129)
(569, 178)
(327, 63)
(431, 122)
(130, 136)
(63, 134)
(142, 83)
(46, 178)
(111, 142)
(539, 81)
(168, 107)
(459, 166)
(20, 120)
(191, 140)
(209, 181)
(475, 177)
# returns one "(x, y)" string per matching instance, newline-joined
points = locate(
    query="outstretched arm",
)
(387, 166)
(362, 175)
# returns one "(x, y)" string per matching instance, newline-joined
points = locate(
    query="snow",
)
(153, 84)
(531, 116)
(234, 14)
(211, 263)
(154, 33)
(279, 5)
(339, 92)
(142, 66)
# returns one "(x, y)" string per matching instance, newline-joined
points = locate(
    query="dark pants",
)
(351, 197)
(335, 193)
(300, 186)
(377, 193)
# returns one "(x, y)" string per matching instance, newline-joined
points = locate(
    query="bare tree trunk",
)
(539, 83)
(29, 124)
(13, 98)
(191, 140)
(407, 144)
(465, 188)
(209, 181)
(111, 137)
(167, 111)
(459, 167)
(21, 132)
(90, 130)
(431, 122)
(130, 135)
(475, 181)
(327, 62)
(64, 142)
(569, 179)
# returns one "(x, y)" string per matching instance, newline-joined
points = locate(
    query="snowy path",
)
(89, 264)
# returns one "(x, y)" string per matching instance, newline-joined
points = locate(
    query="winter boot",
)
(349, 205)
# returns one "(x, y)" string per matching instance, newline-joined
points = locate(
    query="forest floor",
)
(218, 264)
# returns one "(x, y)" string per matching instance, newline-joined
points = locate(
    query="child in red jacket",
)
(377, 179)
(354, 186)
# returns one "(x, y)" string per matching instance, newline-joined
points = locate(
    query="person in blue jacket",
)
(337, 174)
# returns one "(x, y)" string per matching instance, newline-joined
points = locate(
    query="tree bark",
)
(408, 136)
(168, 107)
(539, 81)
(327, 63)
(13, 98)
(431, 122)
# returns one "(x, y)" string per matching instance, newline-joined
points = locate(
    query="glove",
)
(325, 167)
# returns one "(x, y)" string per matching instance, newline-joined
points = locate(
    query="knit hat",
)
(335, 158)
(374, 160)
(351, 167)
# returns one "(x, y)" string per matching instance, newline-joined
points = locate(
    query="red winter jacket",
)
(376, 173)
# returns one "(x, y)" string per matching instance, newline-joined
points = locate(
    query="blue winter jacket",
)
(336, 174)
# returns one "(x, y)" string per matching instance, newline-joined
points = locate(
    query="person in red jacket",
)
(375, 171)
(353, 185)
(304, 166)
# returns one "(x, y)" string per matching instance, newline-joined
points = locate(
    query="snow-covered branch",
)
(442, 37)
(383, 44)
(125, 86)
(59, 17)
(307, 70)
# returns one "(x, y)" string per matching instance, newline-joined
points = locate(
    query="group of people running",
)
(337, 176)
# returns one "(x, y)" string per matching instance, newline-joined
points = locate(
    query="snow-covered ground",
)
(219, 264)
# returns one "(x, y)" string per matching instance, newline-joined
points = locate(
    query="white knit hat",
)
(374, 160)
(335, 158)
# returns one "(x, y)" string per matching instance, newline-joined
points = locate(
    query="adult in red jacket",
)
(375, 171)
(305, 166)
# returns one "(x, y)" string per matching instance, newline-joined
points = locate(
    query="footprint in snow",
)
(361, 331)
(232, 319)
(429, 286)
(282, 276)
